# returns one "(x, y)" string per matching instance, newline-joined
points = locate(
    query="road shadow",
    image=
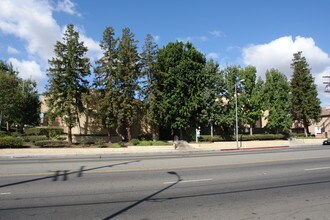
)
(66, 173)
(145, 198)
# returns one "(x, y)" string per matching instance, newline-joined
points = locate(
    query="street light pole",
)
(236, 112)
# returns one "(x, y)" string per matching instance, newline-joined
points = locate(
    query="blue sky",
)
(233, 32)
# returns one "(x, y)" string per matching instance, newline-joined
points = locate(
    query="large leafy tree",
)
(305, 103)
(105, 80)
(277, 100)
(211, 103)
(27, 109)
(126, 82)
(67, 79)
(19, 100)
(181, 83)
(149, 82)
(251, 97)
(9, 83)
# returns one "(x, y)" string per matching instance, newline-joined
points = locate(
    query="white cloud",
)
(278, 54)
(12, 50)
(27, 69)
(94, 49)
(68, 7)
(217, 33)
(31, 21)
(156, 38)
(213, 56)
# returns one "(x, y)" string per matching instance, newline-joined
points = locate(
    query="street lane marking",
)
(317, 168)
(5, 193)
(188, 181)
(51, 174)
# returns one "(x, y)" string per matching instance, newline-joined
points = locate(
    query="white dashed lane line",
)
(317, 168)
(5, 193)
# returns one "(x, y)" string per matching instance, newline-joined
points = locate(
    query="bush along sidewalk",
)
(11, 142)
(255, 137)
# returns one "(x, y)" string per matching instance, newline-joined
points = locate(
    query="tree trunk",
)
(211, 129)
(70, 135)
(7, 126)
(78, 121)
(129, 136)
(306, 127)
(154, 134)
(251, 129)
(181, 135)
(21, 128)
(119, 134)
(109, 135)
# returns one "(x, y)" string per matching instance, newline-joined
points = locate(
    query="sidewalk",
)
(195, 147)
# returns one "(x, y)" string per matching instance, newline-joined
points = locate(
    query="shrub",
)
(135, 142)
(255, 137)
(100, 142)
(34, 139)
(52, 143)
(44, 131)
(11, 142)
(3, 133)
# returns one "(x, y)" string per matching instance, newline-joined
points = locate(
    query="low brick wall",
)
(90, 139)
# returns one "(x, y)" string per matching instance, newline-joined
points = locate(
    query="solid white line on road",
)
(5, 193)
(189, 181)
(317, 168)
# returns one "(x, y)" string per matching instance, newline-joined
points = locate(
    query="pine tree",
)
(67, 83)
(126, 82)
(305, 103)
(105, 80)
(150, 91)
(277, 101)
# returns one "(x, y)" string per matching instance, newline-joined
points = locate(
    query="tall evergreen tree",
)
(105, 80)
(126, 82)
(277, 100)
(67, 82)
(305, 103)
(150, 86)
(181, 84)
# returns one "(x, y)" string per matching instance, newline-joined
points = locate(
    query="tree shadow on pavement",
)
(66, 173)
(146, 198)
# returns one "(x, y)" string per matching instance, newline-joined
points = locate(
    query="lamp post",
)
(236, 113)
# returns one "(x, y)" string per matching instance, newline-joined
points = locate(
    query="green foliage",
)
(305, 103)
(251, 99)
(135, 141)
(181, 82)
(35, 138)
(100, 142)
(47, 131)
(254, 137)
(67, 83)
(3, 133)
(11, 142)
(52, 143)
(277, 99)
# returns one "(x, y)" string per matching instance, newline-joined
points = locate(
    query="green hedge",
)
(11, 142)
(52, 143)
(48, 132)
(255, 137)
(35, 138)
(3, 133)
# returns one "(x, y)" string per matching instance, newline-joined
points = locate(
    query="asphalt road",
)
(277, 184)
